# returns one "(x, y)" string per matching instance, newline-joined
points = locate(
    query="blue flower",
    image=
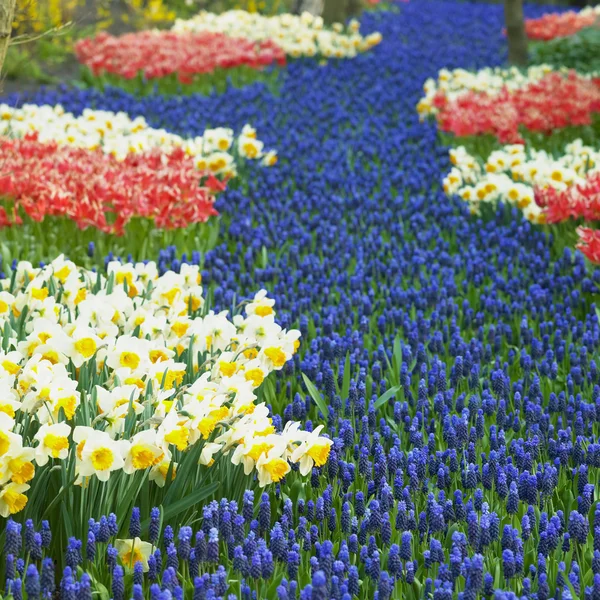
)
(118, 584)
(32, 583)
(135, 527)
(73, 556)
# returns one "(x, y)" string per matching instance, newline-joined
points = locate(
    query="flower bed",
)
(551, 26)
(97, 190)
(157, 54)
(303, 35)
(118, 135)
(104, 172)
(513, 174)
(501, 102)
(129, 375)
(210, 51)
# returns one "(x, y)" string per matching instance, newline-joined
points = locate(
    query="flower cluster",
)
(450, 85)
(123, 374)
(118, 135)
(105, 170)
(546, 103)
(94, 190)
(157, 54)
(589, 243)
(303, 35)
(577, 201)
(551, 26)
(513, 174)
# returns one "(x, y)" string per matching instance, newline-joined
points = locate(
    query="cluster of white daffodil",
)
(453, 83)
(123, 374)
(303, 35)
(118, 134)
(589, 10)
(511, 174)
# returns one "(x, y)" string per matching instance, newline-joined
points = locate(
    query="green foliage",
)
(20, 65)
(553, 142)
(40, 241)
(580, 51)
(206, 83)
(48, 59)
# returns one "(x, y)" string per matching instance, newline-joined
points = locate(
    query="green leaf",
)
(101, 591)
(130, 496)
(297, 491)
(264, 257)
(386, 396)
(315, 395)
(176, 508)
(398, 352)
(64, 489)
(497, 576)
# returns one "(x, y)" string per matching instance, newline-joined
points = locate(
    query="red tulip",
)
(96, 190)
(576, 202)
(589, 243)
(553, 102)
(162, 53)
(551, 26)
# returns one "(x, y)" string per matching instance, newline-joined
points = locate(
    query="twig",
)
(26, 38)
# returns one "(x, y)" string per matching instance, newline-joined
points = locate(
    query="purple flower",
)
(135, 527)
(154, 528)
(212, 553)
(118, 584)
(32, 583)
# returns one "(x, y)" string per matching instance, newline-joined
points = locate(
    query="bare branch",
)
(26, 38)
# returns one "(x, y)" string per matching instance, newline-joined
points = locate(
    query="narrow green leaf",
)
(315, 395)
(56, 499)
(101, 591)
(264, 257)
(129, 498)
(176, 508)
(398, 352)
(386, 396)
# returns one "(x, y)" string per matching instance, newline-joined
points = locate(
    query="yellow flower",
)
(39, 293)
(178, 437)
(68, 404)
(313, 450)
(158, 356)
(277, 356)
(255, 375)
(271, 469)
(134, 551)
(56, 443)
(100, 455)
(102, 458)
(227, 368)
(319, 453)
(86, 347)
(19, 467)
(130, 360)
(12, 498)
